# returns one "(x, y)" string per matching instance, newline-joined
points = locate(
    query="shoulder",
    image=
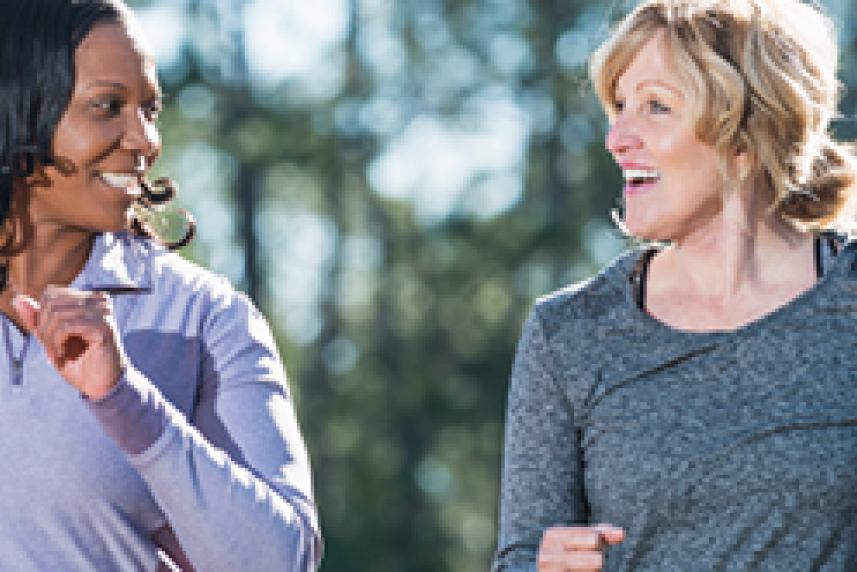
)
(596, 299)
(844, 268)
(848, 251)
(176, 281)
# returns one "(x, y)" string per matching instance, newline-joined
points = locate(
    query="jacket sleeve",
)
(542, 474)
(234, 480)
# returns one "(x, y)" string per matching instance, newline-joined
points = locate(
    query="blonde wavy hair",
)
(762, 75)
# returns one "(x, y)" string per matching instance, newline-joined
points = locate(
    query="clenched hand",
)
(79, 334)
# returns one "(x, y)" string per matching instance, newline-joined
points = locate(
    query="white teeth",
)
(631, 174)
(120, 181)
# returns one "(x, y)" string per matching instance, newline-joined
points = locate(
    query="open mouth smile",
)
(129, 184)
(639, 180)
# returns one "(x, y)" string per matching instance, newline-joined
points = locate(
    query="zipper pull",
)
(17, 370)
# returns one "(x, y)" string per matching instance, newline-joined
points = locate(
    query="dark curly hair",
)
(38, 40)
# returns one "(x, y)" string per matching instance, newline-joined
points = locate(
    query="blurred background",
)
(394, 182)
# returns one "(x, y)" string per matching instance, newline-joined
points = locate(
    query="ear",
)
(744, 164)
(741, 161)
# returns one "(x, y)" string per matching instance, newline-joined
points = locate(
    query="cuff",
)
(134, 413)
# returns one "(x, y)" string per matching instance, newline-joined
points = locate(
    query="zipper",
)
(16, 363)
(18, 367)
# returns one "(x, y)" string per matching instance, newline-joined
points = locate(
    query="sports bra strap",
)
(827, 245)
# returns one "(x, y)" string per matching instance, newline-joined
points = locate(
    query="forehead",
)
(652, 63)
(113, 50)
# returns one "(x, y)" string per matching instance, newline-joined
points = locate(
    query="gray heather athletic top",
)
(200, 433)
(714, 451)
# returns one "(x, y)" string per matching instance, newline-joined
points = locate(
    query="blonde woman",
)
(700, 396)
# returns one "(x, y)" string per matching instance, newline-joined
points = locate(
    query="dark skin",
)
(108, 128)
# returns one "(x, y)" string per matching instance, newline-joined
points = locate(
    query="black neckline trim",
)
(641, 271)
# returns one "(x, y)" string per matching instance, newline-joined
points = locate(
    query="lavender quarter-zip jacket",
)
(200, 433)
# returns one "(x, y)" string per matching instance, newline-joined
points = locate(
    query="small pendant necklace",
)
(16, 363)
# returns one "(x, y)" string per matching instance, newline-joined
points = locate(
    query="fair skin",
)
(576, 548)
(730, 262)
(107, 127)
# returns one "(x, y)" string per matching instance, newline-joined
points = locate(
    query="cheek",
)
(81, 145)
(673, 147)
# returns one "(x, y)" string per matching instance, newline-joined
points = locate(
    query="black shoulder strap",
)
(833, 242)
(639, 275)
(819, 256)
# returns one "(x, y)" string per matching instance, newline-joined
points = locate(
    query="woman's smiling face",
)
(106, 138)
(673, 182)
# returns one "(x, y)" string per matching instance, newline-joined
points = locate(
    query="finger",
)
(75, 335)
(63, 323)
(28, 311)
(565, 539)
(46, 322)
(66, 297)
(87, 326)
(611, 534)
(586, 561)
(60, 305)
(72, 304)
(47, 327)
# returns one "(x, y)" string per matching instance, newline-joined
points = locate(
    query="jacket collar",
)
(117, 262)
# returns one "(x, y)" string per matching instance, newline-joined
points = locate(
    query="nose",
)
(141, 136)
(622, 136)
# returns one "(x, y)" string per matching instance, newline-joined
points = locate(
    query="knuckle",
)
(547, 563)
(583, 535)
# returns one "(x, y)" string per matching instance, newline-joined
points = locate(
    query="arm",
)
(234, 480)
(542, 482)
(235, 484)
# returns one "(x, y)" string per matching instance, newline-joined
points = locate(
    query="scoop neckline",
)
(748, 327)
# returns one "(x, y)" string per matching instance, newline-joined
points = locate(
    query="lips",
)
(128, 183)
(639, 179)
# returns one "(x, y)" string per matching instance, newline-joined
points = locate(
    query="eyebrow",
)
(655, 82)
(113, 84)
(106, 83)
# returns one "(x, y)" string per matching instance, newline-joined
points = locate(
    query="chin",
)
(660, 229)
(118, 225)
(640, 230)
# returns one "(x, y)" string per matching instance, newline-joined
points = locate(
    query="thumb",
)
(28, 310)
(611, 534)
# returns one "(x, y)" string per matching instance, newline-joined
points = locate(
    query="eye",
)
(656, 106)
(618, 106)
(108, 106)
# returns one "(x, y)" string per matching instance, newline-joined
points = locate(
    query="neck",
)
(51, 256)
(744, 250)
(723, 265)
